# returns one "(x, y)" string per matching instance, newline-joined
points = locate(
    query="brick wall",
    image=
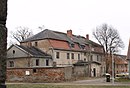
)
(38, 74)
(46, 74)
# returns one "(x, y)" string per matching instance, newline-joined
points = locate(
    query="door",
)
(94, 72)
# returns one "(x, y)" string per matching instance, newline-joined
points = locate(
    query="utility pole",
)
(3, 42)
(112, 49)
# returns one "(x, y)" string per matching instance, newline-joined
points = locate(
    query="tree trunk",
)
(3, 42)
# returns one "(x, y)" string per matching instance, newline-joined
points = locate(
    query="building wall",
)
(63, 61)
(46, 74)
(121, 68)
(97, 70)
(19, 63)
(29, 62)
(15, 52)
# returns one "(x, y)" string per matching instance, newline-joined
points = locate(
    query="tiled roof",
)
(35, 52)
(49, 34)
(119, 59)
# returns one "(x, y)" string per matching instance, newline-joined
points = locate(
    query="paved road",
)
(97, 81)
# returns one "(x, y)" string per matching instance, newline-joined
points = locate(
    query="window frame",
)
(11, 63)
(72, 55)
(78, 56)
(68, 55)
(47, 62)
(57, 55)
(37, 62)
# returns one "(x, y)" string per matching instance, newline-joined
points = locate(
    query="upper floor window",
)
(97, 58)
(84, 54)
(91, 58)
(36, 44)
(72, 55)
(57, 55)
(11, 63)
(68, 56)
(13, 51)
(78, 56)
(84, 59)
(37, 62)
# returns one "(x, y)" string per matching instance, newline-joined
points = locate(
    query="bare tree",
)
(3, 42)
(41, 27)
(108, 37)
(21, 33)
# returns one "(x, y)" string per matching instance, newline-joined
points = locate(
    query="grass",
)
(122, 80)
(59, 86)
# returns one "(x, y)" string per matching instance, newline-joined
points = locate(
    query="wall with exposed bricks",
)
(38, 74)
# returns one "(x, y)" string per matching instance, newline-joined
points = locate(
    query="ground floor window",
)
(11, 63)
(37, 62)
(47, 62)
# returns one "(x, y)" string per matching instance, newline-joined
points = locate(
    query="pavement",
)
(95, 81)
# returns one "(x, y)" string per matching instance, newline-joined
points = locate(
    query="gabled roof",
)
(49, 34)
(33, 51)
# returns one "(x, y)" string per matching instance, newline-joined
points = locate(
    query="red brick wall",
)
(41, 75)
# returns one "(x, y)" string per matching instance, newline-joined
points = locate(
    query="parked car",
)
(123, 74)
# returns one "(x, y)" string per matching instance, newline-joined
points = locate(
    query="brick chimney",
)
(69, 33)
(87, 36)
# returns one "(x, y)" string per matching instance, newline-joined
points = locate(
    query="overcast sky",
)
(81, 16)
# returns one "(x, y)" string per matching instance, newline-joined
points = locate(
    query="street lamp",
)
(112, 48)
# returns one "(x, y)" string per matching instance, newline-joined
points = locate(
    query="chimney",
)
(87, 36)
(69, 33)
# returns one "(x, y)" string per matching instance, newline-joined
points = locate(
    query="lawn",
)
(60, 86)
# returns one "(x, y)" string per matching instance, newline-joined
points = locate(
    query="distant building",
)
(56, 49)
(128, 58)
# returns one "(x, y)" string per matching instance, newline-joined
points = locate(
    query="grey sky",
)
(82, 16)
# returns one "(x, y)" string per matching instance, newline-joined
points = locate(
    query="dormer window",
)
(72, 45)
(82, 46)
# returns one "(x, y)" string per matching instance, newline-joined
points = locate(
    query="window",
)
(34, 70)
(84, 59)
(72, 55)
(78, 56)
(37, 62)
(82, 46)
(13, 51)
(36, 44)
(97, 58)
(72, 45)
(84, 54)
(47, 62)
(57, 55)
(91, 58)
(11, 63)
(68, 56)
